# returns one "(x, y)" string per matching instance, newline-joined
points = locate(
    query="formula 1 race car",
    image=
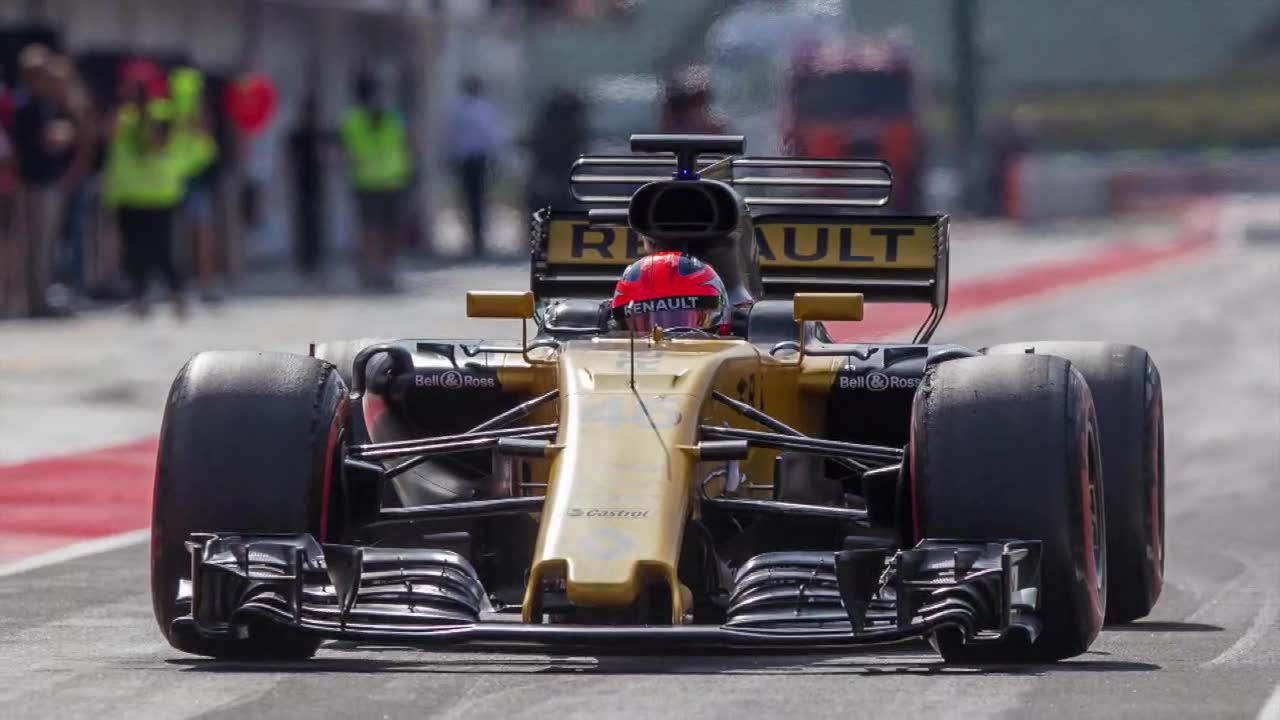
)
(589, 487)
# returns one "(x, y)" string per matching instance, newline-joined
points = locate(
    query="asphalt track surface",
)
(77, 638)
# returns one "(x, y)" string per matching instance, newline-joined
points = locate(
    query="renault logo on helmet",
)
(638, 307)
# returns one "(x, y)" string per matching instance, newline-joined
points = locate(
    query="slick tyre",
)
(342, 353)
(1006, 447)
(1125, 385)
(249, 443)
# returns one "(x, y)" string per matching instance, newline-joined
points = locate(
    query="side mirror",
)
(509, 305)
(500, 304)
(828, 307)
(824, 307)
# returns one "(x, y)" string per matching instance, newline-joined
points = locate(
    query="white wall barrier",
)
(1044, 186)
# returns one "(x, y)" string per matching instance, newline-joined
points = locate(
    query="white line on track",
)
(1271, 710)
(1230, 588)
(73, 552)
(1265, 575)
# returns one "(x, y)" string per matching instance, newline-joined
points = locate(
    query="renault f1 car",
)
(587, 487)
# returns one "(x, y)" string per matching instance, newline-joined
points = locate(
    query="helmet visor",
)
(669, 320)
(682, 312)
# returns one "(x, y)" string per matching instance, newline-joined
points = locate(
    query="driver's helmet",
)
(669, 290)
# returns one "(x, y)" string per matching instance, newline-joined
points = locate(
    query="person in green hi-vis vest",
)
(193, 139)
(381, 168)
(145, 181)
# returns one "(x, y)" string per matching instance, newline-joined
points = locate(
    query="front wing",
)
(982, 591)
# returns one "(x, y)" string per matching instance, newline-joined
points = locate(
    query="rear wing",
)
(804, 225)
(887, 258)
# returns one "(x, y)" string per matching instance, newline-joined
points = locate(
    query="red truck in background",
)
(859, 100)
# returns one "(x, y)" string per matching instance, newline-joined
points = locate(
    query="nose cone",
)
(620, 491)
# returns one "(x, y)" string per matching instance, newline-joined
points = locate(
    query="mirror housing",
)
(828, 307)
(518, 305)
(824, 307)
(500, 304)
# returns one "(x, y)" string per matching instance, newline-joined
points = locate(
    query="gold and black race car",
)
(590, 487)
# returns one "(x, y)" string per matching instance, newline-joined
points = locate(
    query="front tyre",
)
(1006, 448)
(249, 444)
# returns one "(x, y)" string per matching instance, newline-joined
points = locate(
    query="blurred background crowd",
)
(191, 145)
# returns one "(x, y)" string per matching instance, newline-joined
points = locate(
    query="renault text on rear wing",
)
(887, 258)
(782, 244)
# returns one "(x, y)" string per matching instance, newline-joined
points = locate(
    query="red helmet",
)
(669, 290)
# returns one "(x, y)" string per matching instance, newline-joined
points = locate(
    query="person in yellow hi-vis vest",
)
(145, 180)
(193, 139)
(381, 163)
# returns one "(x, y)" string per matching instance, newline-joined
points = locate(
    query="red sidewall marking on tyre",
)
(914, 458)
(1089, 504)
(330, 455)
(52, 503)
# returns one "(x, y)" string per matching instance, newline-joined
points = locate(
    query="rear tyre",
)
(249, 444)
(1006, 448)
(1125, 386)
(342, 353)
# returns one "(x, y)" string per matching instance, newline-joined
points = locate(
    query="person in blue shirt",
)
(474, 139)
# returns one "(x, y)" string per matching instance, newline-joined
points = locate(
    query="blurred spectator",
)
(193, 138)
(8, 108)
(558, 137)
(136, 81)
(74, 104)
(144, 74)
(145, 183)
(381, 161)
(1008, 142)
(12, 289)
(687, 107)
(307, 148)
(46, 140)
(474, 139)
